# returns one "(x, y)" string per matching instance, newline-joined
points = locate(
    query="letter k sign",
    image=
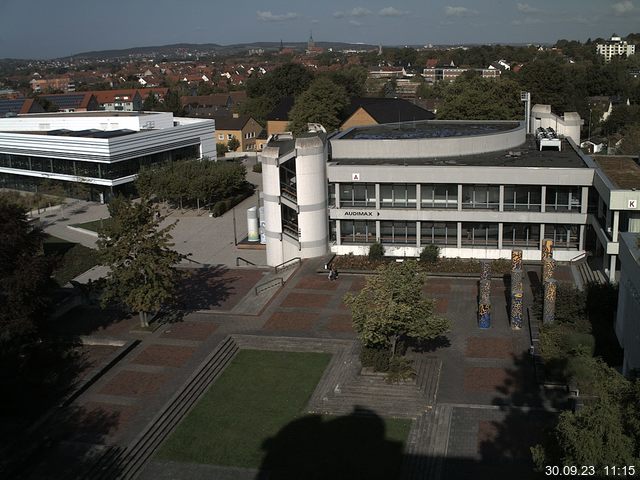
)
(632, 204)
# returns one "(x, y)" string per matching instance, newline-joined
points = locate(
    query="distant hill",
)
(202, 48)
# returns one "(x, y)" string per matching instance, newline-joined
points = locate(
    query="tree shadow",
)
(426, 346)
(350, 447)
(205, 289)
(527, 411)
(40, 436)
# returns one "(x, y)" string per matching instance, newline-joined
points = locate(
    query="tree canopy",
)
(193, 182)
(475, 98)
(392, 307)
(321, 103)
(142, 266)
(287, 80)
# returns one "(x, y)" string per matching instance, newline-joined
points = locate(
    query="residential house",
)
(241, 127)
(19, 106)
(278, 118)
(364, 111)
(73, 102)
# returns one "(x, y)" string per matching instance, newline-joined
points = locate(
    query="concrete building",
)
(627, 323)
(103, 151)
(477, 189)
(450, 73)
(241, 127)
(615, 47)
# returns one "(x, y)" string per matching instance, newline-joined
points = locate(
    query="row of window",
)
(443, 196)
(446, 233)
(109, 171)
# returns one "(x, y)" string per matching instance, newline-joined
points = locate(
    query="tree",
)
(391, 307)
(221, 149)
(287, 80)
(321, 103)
(151, 103)
(631, 141)
(475, 98)
(142, 265)
(605, 432)
(233, 144)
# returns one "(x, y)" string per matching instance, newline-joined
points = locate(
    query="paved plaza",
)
(484, 395)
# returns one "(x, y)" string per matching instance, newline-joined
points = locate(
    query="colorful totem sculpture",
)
(484, 303)
(547, 248)
(517, 289)
(549, 307)
(548, 269)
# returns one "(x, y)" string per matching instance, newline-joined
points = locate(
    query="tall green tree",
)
(287, 80)
(321, 103)
(475, 98)
(631, 141)
(603, 433)
(142, 265)
(392, 307)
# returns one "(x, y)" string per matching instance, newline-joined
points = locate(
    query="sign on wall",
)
(355, 177)
(632, 204)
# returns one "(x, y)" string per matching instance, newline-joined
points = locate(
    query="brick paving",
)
(164, 355)
(131, 383)
(480, 368)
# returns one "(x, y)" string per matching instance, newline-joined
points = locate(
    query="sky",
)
(55, 28)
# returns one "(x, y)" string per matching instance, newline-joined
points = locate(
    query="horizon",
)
(79, 28)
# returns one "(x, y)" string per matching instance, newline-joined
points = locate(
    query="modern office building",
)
(102, 150)
(477, 189)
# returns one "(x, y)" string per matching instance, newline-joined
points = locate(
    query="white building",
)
(104, 150)
(615, 47)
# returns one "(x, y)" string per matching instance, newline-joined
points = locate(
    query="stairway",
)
(127, 463)
(583, 274)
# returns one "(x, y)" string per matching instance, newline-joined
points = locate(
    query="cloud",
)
(274, 17)
(355, 23)
(623, 7)
(527, 21)
(458, 11)
(526, 8)
(354, 12)
(391, 12)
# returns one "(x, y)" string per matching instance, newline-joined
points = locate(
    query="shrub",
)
(579, 344)
(430, 254)
(376, 251)
(220, 207)
(257, 167)
(400, 369)
(375, 358)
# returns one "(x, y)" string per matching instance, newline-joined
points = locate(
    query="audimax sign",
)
(360, 213)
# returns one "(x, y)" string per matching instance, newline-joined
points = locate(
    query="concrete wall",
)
(568, 125)
(429, 147)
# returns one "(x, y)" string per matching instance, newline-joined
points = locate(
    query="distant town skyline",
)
(43, 29)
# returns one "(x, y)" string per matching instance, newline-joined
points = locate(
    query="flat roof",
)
(88, 133)
(95, 113)
(623, 171)
(427, 129)
(526, 155)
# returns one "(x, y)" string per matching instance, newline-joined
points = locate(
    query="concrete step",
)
(129, 463)
(438, 442)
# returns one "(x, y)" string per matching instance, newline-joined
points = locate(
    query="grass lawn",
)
(253, 416)
(93, 225)
(74, 258)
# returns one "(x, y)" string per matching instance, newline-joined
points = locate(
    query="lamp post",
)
(589, 139)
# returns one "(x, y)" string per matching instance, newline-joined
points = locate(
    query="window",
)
(438, 233)
(439, 196)
(480, 234)
(397, 195)
(357, 195)
(484, 197)
(221, 136)
(229, 136)
(402, 233)
(357, 231)
(563, 199)
(522, 198)
(565, 237)
(520, 235)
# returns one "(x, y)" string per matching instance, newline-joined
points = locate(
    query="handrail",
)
(287, 264)
(247, 262)
(578, 257)
(274, 282)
